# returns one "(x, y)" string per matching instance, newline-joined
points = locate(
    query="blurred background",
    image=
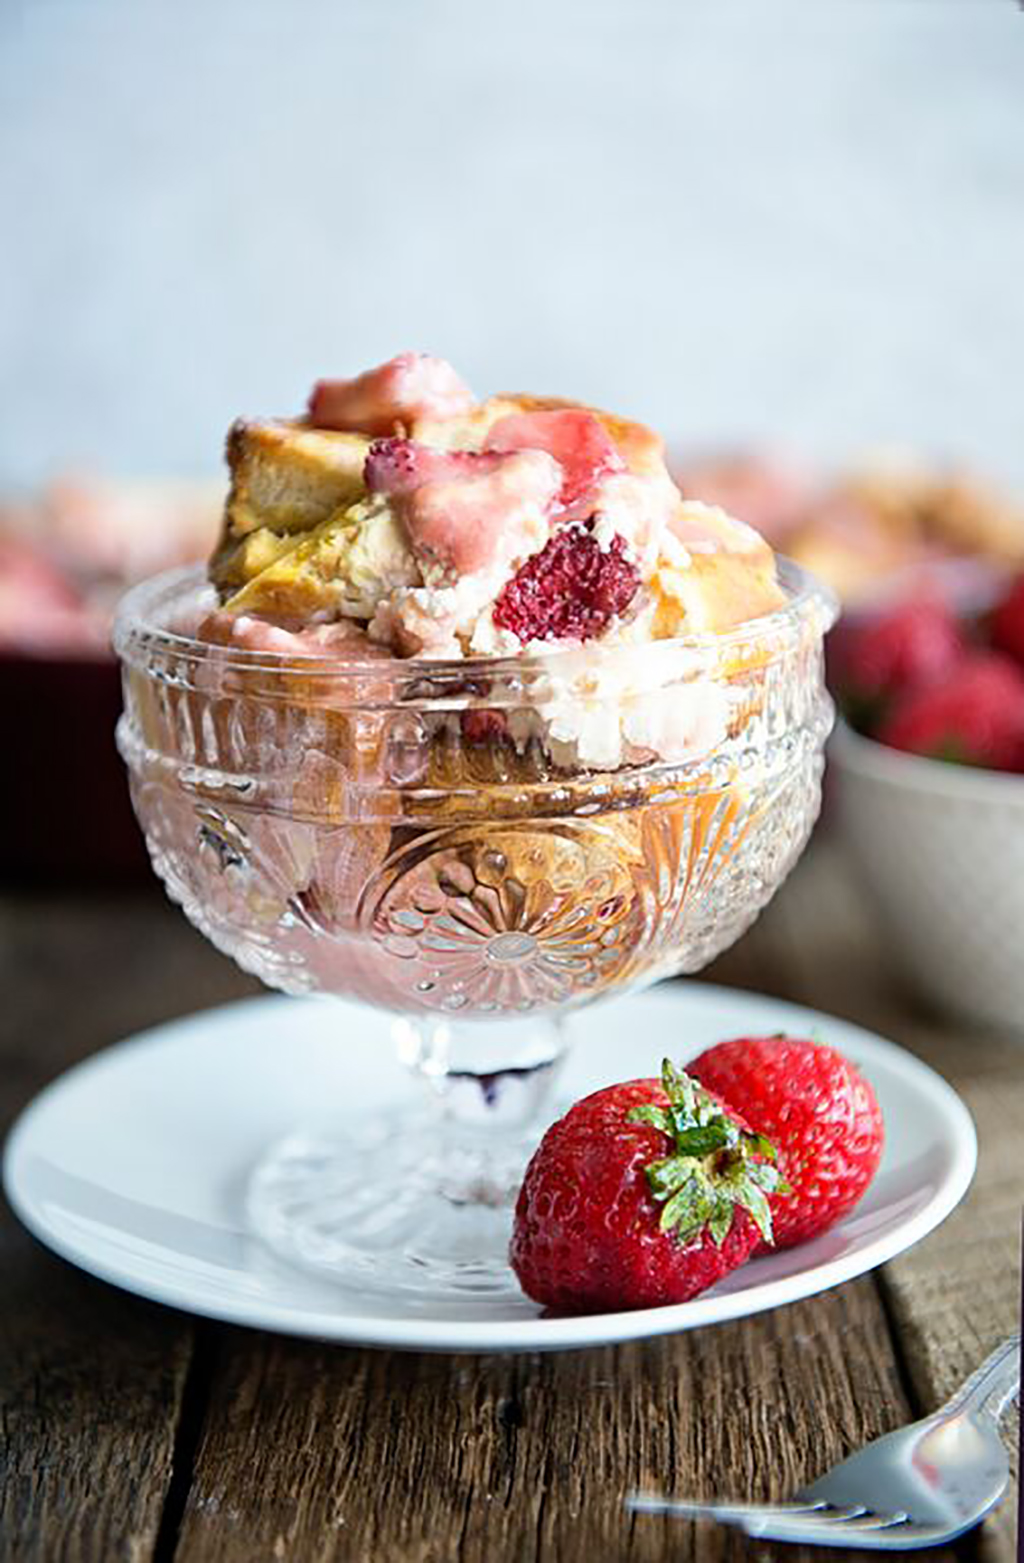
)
(787, 233)
(735, 219)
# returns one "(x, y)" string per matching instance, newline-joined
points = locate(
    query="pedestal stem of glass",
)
(484, 1074)
(419, 1199)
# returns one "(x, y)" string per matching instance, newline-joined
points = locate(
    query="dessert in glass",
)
(474, 719)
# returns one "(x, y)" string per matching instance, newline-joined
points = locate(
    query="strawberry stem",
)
(716, 1167)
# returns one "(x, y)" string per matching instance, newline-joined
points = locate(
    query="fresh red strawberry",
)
(876, 657)
(818, 1111)
(643, 1194)
(579, 442)
(974, 716)
(1006, 625)
(570, 590)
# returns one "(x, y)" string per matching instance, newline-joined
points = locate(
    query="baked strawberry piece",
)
(411, 386)
(875, 658)
(577, 440)
(975, 715)
(570, 590)
(1006, 626)
(820, 1114)
(645, 1193)
(465, 511)
(483, 727)
(398, 467)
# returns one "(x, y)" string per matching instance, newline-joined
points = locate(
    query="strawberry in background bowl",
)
(929, 772)
(66, 556)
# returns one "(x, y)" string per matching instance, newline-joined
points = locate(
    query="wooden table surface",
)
(129, 1431)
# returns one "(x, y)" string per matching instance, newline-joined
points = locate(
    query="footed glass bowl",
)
(472, 848)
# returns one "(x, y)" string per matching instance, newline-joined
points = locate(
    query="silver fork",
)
(918, 1487)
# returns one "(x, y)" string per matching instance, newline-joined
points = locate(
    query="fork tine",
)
(901, 1535)
(869, 1520)
(729, 1513)
(844, 1521)
(855, 1519)
(812, 1524)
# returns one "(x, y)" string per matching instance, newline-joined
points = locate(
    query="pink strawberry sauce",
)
(411, 386)
(576, 439)
(465, 512)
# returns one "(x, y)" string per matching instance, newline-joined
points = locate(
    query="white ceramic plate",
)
(133, 1165)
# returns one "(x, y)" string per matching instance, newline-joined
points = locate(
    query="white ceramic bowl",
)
(940, 850)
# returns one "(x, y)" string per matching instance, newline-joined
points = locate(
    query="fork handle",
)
(991, 1387)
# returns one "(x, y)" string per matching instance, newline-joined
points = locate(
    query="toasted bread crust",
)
(286, 478)
(238, 560)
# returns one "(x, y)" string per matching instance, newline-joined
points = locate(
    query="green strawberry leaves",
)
(716, 1166)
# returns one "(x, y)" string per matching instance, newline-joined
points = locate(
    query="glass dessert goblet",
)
(425, 837)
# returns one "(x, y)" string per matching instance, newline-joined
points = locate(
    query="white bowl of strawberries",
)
(929, 792)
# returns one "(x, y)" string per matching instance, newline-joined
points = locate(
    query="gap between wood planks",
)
(195, 1400)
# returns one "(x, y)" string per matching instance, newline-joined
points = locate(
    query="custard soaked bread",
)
(286, 477)
(448, 528)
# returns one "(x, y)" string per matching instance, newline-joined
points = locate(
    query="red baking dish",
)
(63, 788)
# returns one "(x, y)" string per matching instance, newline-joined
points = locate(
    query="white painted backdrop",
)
(800, 219)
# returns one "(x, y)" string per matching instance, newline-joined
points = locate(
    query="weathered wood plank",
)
(91, 1380)
(956, 1295)
(318, 1454)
